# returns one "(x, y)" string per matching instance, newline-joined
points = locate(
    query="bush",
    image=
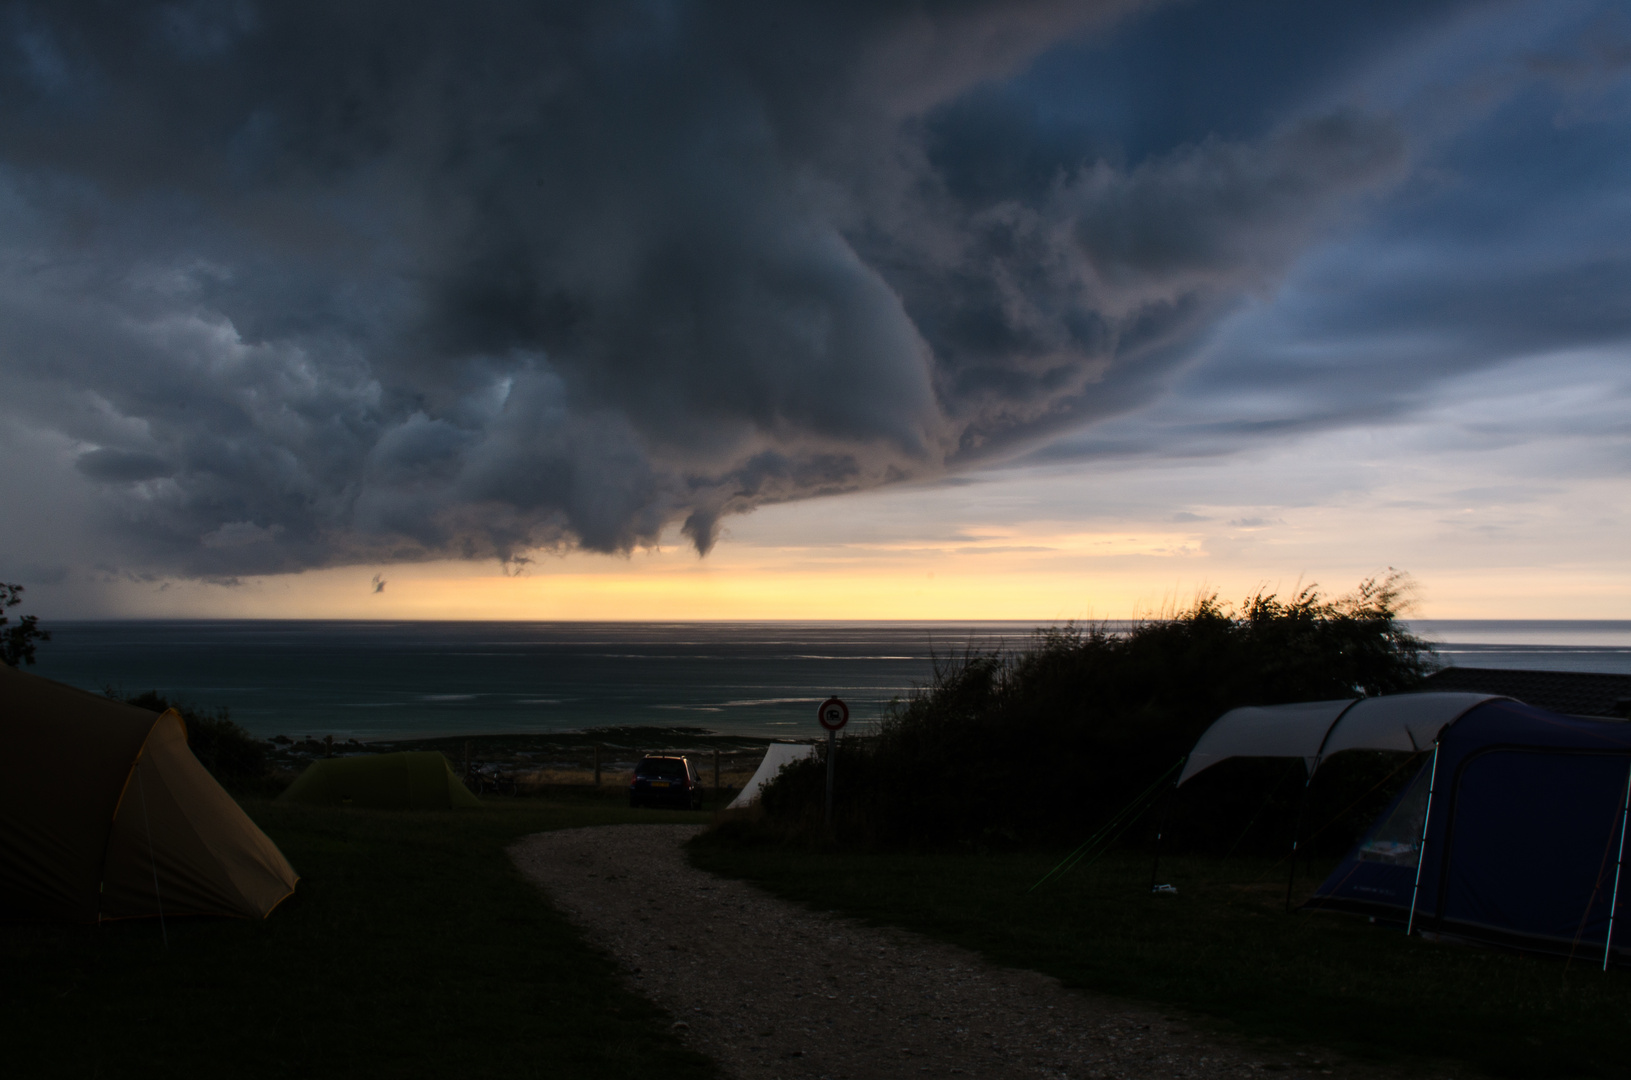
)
(1044, 745)
(17, 643)
(234, 757)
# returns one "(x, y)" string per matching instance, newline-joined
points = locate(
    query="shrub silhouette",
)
(232, 755)
(1045, 743)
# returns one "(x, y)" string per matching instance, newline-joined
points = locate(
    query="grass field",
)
(1224, 948)
(410, 949)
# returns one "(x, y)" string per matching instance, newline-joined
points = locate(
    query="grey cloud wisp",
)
(307, 284)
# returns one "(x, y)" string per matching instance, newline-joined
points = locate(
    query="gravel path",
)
(770, 989)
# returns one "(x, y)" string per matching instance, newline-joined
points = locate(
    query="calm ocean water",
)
(394, 679)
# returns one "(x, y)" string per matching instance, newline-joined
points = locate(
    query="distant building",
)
(1577, 693)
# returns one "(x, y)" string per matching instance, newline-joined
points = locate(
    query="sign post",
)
(833, 715)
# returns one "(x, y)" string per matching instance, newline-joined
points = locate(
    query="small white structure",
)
(776, 755)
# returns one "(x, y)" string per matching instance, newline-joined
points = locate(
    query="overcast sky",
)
(690, 310)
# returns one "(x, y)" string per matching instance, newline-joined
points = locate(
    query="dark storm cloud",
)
(122, 466)
(303, 284)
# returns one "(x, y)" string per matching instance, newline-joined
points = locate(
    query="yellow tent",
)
(105, 814)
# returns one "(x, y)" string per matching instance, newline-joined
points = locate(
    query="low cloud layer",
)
(304, 284)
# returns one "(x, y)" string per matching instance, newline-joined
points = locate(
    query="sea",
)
(394, 680)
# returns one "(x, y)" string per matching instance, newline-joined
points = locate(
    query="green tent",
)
(414, 780)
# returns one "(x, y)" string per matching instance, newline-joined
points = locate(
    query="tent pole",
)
(832, 760)
(1421, 849)
(1296, 837)
(1160, 830)
(1313, 766)
(1619, 863)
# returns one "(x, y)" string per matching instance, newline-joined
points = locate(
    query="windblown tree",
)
(17, 640)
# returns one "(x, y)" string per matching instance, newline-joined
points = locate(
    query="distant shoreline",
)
(397, 681)
(1618, 625)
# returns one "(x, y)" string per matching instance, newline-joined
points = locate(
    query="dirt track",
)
(770, 989)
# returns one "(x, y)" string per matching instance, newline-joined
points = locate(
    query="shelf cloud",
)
(306, 284)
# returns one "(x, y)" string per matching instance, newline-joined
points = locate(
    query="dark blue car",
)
(666, 781)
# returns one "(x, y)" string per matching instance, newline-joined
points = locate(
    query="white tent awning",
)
(1314, 730)
(1404, 722)
(1265, 731)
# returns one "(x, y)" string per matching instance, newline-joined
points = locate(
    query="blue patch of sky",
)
(1505, 242)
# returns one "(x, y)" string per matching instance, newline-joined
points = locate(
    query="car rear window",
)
(661, 769)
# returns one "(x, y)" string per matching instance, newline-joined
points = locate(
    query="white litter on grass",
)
(776, 755)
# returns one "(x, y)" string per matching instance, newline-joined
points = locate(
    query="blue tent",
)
(1521, 814)
(1511, 833)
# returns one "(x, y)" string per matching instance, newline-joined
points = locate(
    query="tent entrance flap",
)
(1396, 838)
(1533, 842)
(1379, 874)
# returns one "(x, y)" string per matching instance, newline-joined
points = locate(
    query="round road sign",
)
(833, 714)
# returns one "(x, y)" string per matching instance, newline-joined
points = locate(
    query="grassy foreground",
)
(1223, 947)
(411, 948)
